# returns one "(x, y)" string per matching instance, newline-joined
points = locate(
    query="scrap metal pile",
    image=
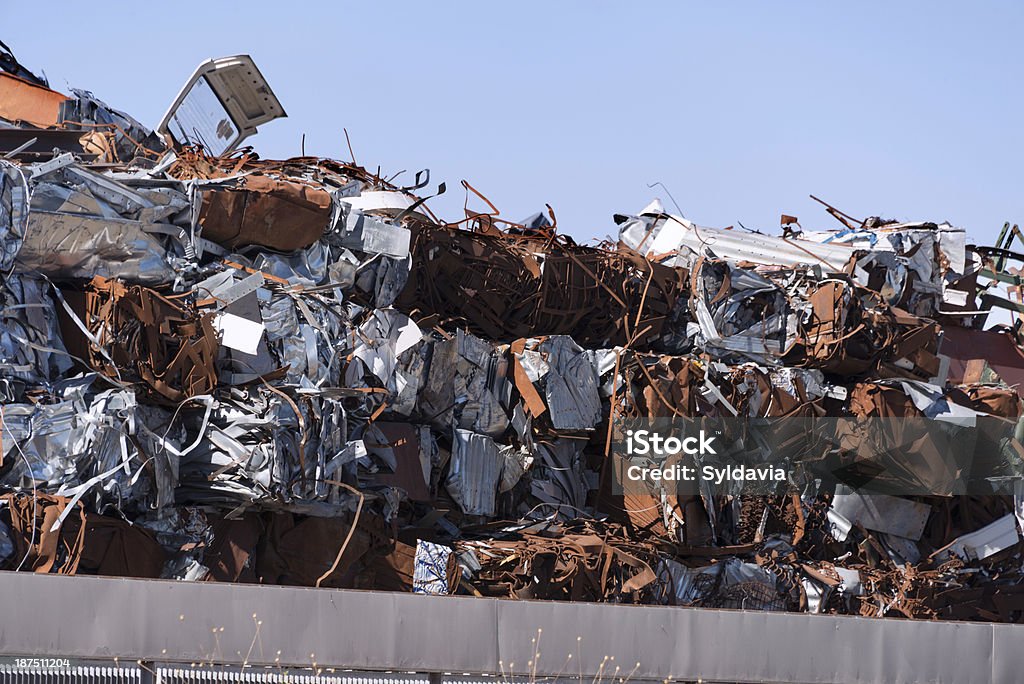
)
(224, 368)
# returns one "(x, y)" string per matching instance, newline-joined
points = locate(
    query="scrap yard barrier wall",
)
(182, 622)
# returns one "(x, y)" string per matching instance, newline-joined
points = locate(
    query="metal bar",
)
(1001, 276)
(988, 300)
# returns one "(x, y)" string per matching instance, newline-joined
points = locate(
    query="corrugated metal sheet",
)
(474, 472)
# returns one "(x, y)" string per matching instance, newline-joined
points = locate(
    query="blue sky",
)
(741, 109)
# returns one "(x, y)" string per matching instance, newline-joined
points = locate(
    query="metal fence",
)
(62, 671)
(52, 671)
(179, 675)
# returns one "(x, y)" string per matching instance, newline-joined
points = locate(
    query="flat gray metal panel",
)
(95, 617)
(786, 647)
(1007, 656)
(592, 632)
(82, 617)
(720, 645)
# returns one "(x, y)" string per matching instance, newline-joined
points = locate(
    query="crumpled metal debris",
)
(291, 372)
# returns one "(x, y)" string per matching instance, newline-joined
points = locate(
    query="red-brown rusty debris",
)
(216, 367)
(166, 348)
(494, 284)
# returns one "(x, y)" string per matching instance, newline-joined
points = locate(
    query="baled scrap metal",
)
(241, 310)
(794, 318)
(465, 384)
(371, 235)
(404, 455)
(568, 376)
(40, 544)
(162, 342)
(914, 266)
(550, 383)
(374, 352)
(14, 211)
(33, 350)
(558, 476)
(739, 311)
(474, 472)
(731, 583)
(469, 380)
(801, 382)
(64, 245)
(264, 447)
(259, 210)
(270, 327)
(849, 332)
(506, 286)
(86, 445)
(676, 241)
(82, 224)
(577, 561)
(347, 225)
(481, 387)
(85, 544)
(242, 453)
(331, 552)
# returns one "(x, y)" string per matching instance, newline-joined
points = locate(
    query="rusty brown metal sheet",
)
(21, 100)
(263, 211)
